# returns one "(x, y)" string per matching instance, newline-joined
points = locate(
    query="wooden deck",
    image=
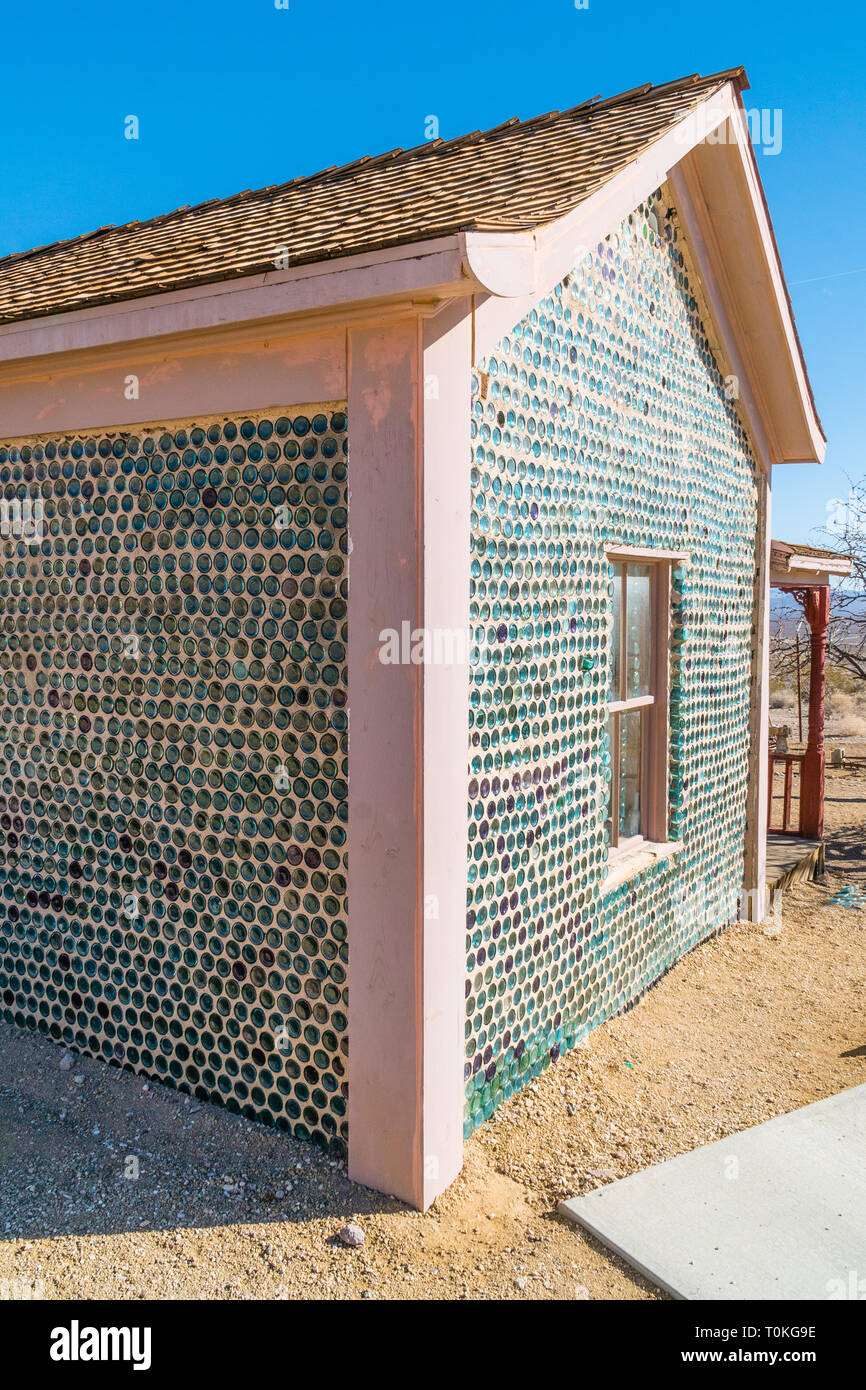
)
(792, 859)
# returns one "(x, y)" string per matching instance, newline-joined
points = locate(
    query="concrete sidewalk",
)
(774, 1212)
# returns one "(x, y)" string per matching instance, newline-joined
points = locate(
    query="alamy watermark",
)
(853, 1287)
(22, 518)
(21, 1290)
(77, 1343)
(712, 125)
(422, 646)
(846, 515)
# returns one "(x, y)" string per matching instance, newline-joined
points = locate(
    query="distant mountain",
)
(786, 613)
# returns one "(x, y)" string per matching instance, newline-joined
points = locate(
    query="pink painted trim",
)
(446, 560)
(431, 270)
(822, 566)
(758, 789)
(637, 552)
(502, 263)
(627, 861)
(87, 391)
(658, 761)
(731, 354)
(655, 773)
(516, 270)
(782, 579)
(772, 260)
(559, 242)
(384, 757)
(409, 449)
(746, 257)
(742, 277)
(501, 257)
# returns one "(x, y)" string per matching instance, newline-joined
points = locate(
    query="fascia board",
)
(494, 259)
(502, 262)
(824, 566)
(772, 263)
(423, 269)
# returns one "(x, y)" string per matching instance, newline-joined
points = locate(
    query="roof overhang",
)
(422, 275)
(793, 569)
(721, 211)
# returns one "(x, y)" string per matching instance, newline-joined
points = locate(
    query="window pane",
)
(630, 729)
(616, 633)
(637, 637)
(614, 754)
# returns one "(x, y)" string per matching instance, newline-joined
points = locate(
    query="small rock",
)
(352, 1235)
(67, 1061)
(601, 1174)
(79, 1079)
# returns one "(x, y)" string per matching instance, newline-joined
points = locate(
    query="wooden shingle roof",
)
(790, 557)
(519, 175)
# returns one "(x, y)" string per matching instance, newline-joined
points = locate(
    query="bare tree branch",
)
(846, 647)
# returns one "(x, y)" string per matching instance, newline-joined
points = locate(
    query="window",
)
(638, 698)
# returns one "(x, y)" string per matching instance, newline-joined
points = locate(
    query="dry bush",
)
(854, 726)
(846, 714)
(841, 703)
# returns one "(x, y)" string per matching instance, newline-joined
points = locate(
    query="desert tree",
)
(846, 644)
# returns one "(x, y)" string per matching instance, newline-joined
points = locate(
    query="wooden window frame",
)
(655, 721)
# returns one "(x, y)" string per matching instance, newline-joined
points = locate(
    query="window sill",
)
(634, 860)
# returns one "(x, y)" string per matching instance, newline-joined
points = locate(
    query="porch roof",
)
(800, 565)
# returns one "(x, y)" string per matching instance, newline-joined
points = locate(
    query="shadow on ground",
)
(94, 1150)
(844, 850)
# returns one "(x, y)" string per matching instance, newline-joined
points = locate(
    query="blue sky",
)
(237, 95)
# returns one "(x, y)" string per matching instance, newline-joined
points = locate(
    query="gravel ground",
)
(115, 1187)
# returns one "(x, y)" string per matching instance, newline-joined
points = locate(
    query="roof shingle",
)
(519, 175)
(781, 552)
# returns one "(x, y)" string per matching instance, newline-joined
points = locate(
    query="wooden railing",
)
(789, 759)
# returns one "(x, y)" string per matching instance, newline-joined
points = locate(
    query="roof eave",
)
(417, 275)
(721, 212)
(716, 182)
(808, 564)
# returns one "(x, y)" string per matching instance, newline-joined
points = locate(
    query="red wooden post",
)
(816, 606)
(771, 772)
(786, 804)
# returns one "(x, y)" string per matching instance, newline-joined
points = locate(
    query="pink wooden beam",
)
(409, 457)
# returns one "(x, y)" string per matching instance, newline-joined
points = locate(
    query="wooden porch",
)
(792, 859)
(795, 813)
